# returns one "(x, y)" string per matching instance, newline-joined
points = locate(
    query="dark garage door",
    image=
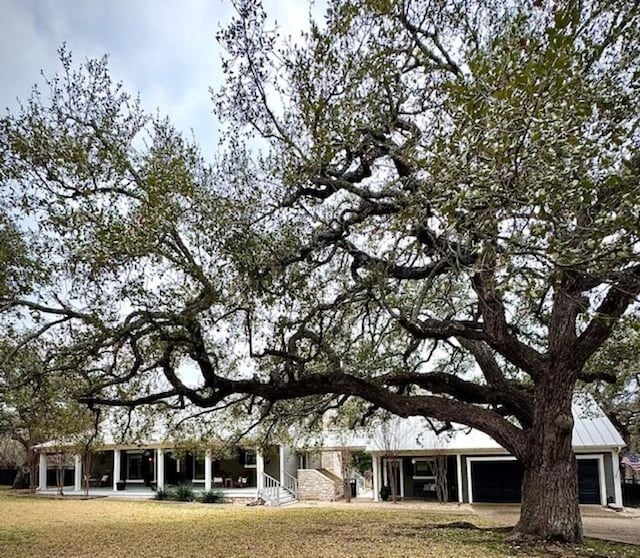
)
(588, 481)
(496, 481)
(501, 481)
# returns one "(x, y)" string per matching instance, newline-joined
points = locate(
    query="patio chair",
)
(104, 480)
(218, 481)
(242, 482)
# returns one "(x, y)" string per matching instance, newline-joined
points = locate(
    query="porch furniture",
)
(218, 481)
(242, 482)
(102, 481)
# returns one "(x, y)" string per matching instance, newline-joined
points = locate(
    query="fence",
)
(631, 494)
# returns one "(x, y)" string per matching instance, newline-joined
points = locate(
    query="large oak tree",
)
(441, 219)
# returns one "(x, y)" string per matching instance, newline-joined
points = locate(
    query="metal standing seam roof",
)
(592, 429)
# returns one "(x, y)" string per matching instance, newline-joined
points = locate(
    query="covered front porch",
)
(139, 471)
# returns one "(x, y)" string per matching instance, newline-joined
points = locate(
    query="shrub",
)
(183, 492)
(161, 494)
(211, 497)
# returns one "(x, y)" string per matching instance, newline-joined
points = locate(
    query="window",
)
(250, 459)
(424, 469)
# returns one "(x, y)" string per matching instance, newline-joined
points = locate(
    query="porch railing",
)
(271, 490)
(290, 483)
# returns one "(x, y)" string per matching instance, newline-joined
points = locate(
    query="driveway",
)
(599, 522)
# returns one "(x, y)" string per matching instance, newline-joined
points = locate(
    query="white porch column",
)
(617, 479)
(77, 473)
(207, 470)
(282, 463)
(376, 478)
(160, 468)
(459, 477)
(116, 468)
(259, 469)
(42, 472)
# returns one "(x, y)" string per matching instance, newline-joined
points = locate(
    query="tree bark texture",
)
(550, 507)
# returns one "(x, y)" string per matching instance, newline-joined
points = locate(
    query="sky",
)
(163, 49)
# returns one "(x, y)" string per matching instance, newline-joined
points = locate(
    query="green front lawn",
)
(31, 526)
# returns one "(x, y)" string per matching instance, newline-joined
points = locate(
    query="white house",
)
(477, 468)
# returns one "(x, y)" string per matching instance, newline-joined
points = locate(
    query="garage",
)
(499, 481)
(496, 481)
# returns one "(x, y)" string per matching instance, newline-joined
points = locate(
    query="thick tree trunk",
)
(550, 486)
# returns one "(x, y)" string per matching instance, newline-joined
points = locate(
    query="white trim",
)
(42, 472)
(617, 479)
(459, 476)
(376, 478)
(160, 468)
(77, 473)
(601, 476)
(471, 459)
(207, 470)
(116, 468)
(282, 458)
(259, 471)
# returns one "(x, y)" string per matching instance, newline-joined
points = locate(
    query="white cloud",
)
(165, 50)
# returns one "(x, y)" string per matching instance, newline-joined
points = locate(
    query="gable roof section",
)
(592, 428)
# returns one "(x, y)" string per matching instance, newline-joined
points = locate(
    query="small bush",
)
(183, 492)
(211, 497)
(161, 494)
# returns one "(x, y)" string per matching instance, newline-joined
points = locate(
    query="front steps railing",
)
(275, 493)
(290, 483)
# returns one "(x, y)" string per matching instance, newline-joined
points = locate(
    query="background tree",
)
(442, 222)
(12, 457)
(38, 405)
(620, 396)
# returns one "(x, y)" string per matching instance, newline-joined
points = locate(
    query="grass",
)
(105, 528)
